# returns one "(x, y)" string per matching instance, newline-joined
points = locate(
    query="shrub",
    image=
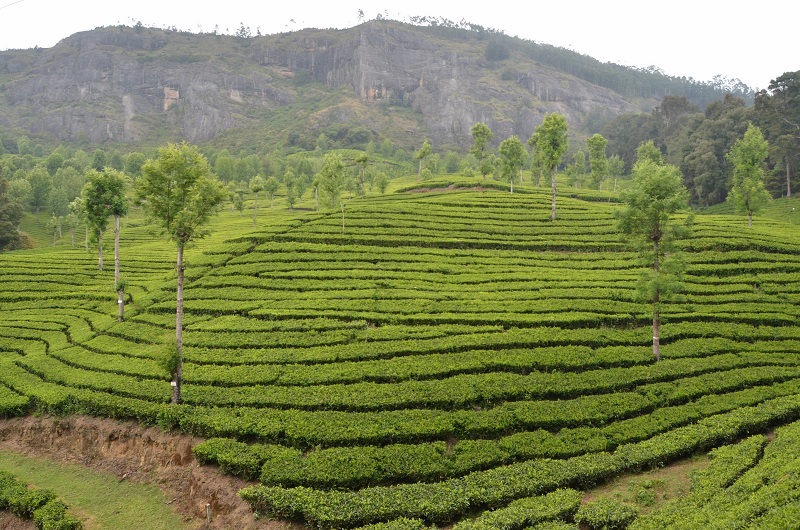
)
(606, 514)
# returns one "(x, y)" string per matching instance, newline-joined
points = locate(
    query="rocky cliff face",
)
(128, 85)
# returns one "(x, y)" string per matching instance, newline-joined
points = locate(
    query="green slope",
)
(448, 354)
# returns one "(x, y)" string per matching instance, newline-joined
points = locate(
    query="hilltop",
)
(381, 79)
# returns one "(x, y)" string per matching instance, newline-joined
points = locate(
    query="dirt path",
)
(139, 454)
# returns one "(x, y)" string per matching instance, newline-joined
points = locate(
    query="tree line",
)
(698, 141)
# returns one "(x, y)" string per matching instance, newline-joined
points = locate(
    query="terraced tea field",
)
(445, 359)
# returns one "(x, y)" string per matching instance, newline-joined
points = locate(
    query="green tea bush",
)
(606, 514)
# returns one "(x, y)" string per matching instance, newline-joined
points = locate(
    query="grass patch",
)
(649, 490)
(100, 500)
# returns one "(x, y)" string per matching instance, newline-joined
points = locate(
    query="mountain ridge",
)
(381, 79)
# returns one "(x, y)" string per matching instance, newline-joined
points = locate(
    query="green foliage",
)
(178, 193)
(598, 164)
(512, 157)
(10, 216)
(103, 196)
(53, 516)
(550, 141)
(605, 514)
(454, 358)
(331, 181)
(747, 157)
(496, 51)
(481, 136)
(168, 359)
(47, 512)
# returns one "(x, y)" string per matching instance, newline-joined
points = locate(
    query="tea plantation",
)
(446, 358)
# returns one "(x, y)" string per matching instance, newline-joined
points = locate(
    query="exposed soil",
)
(140, 454)
(9, 521)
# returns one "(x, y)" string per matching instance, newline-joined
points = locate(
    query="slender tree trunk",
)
(788, 179)
(116, 249)
(656, 312)
(553, 212)
(512, 185)
(255, 211)
(615, 184)
(419, 170)
(750, 219)
(54, 237)
(117, 285)
(178, 375)
(656, 330)
(100, 249)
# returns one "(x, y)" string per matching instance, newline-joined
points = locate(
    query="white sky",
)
(754, 42)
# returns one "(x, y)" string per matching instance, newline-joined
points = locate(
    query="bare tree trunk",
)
(750, 219)
(656, 330)
(178, 375)
(788, 179)
(656, 312)
(255, 210)
(100, 249)
(116, 250)
(512, 185)
(117, 284)
(86, 239)
(553, 212)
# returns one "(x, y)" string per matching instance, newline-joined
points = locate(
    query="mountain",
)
(381, 79)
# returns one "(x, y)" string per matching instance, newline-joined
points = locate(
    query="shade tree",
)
(512, 157)
(481, 136)
(598, 164)
(104, 195)
(747, 156)
(331, 181)
(257, 184)
(651, 202)
(271, 186)
(550, 141)
(179, 193)
(424, 152)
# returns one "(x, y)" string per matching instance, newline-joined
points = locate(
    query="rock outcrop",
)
(141, 85)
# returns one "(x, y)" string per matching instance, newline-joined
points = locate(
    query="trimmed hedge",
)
(47, 512)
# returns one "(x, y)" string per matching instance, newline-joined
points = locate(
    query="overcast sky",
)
(754, 42)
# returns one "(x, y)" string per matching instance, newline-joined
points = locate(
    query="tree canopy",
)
(550, 142)
(657, 193)
(180, 195)
(747, 156)
(178, 192)
(512, 158)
